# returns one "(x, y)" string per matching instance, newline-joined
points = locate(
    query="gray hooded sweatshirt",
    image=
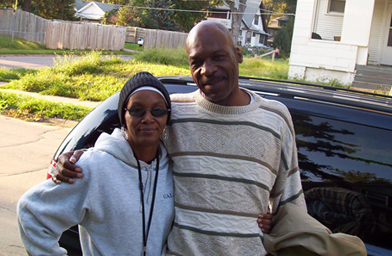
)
(105, 203)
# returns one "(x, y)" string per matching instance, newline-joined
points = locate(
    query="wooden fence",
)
(23, 25)
(61, 34)
(72, 35)
(164, 39)
(76, 35)
(133, 33)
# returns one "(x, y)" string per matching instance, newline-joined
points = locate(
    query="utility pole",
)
(13, 24)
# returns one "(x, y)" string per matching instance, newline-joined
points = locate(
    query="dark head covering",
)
(141, 79)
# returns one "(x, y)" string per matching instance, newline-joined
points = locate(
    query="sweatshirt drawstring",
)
(146, 230)
(149, 180)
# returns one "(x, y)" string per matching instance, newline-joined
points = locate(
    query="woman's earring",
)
(124, 133)
(165, 134)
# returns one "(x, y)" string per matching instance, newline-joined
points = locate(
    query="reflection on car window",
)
(346, 170)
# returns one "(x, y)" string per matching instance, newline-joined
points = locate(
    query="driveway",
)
(26, 149)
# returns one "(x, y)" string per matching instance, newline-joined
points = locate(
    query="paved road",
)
(33, 61)
(10, 61)
(26, 149)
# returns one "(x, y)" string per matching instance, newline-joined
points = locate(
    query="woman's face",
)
(145, 129)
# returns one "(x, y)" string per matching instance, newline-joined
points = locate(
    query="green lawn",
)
(21, 46)
(94, 78)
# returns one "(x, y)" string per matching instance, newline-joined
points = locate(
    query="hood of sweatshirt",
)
(116, 145)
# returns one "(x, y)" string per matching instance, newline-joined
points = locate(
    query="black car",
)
(344, 141)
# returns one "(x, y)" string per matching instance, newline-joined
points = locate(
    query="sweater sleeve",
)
(288, 187)
(45, 211)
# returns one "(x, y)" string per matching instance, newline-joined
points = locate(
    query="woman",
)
(127, 183)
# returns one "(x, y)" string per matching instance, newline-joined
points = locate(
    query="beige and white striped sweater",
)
(230, 163)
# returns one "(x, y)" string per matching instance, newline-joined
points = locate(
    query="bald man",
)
(234, 154)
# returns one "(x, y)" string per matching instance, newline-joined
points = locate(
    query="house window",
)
(256, 20)
(253, 34)
(248, 37)
(337, 6)
(261, 39)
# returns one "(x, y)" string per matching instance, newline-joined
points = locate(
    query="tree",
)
(54, 9)
(9, 3)
(236, 19)
(26, 5)
(283, 38)
(48, 9)
(135, 17)
(187, 19)
(272, 6)
(161, 15)
(110, 17)
(282, 41)
(119, 2)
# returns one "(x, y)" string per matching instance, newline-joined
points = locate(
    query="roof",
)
(104, 7)
(284, 18)
(79, 4)
(274, 23)
(107, 7)
(95, 10)
(250, 11)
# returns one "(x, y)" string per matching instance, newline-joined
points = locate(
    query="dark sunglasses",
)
(155, 112)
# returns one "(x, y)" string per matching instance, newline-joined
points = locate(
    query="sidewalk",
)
(91, 104)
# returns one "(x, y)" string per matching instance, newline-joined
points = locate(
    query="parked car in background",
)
(140, 41)
(344, 141)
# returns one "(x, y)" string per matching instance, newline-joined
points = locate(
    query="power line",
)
(201, 11)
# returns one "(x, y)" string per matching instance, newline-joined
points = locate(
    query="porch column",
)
(357, 23)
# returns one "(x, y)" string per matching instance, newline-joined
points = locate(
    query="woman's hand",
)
(265, 222)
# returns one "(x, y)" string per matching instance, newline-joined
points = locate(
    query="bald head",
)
(209, 30)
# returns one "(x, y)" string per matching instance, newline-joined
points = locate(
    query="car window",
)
(346, 169)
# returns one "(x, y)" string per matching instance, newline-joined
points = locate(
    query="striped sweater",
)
(230, 163)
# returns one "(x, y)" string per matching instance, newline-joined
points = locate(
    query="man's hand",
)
(66, 169)
(265, 222)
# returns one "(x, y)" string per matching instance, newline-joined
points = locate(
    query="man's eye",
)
(195, 64)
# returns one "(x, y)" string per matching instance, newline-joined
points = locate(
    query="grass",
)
(21, 46)
(173, 57)
(134, 47)
(257, 67)
(89, 78)
(30, 108)
(93, 77)
(8, 75)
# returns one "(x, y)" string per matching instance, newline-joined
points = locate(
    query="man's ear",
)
(238, 52)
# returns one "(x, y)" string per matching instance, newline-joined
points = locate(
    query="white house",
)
(93, 11)
(350, 32)
(253, 26)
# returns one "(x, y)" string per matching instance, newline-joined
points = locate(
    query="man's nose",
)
(208, 68)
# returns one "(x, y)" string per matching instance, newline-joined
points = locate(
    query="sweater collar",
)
(225, 110)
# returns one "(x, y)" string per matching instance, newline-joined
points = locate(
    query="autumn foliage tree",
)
(48, 9)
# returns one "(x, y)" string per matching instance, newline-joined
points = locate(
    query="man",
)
(234, 154)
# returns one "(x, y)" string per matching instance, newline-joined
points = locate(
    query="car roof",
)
(295, 89)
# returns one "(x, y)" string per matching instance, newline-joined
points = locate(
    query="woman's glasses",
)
(155, 112)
